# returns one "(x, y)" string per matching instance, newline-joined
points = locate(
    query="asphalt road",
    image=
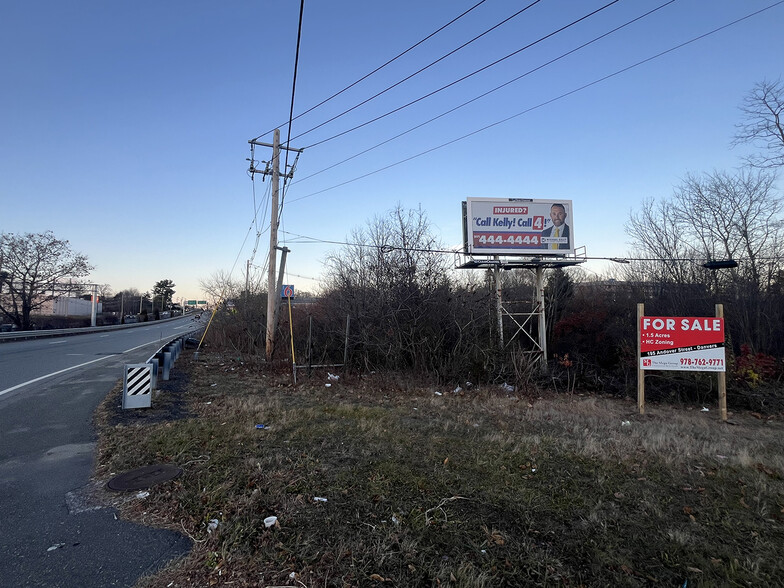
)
(51, 533)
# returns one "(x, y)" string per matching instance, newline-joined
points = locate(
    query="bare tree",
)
(763, 124)
(734, 216)
(658, 244)
(393, 285)
(220, 287)
(715, 216)
(31, 265)
(239, 321)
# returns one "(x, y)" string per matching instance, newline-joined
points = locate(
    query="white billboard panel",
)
(518, 226)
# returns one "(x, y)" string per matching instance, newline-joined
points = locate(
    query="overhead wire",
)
(259, 233)
(484, 94)
(380, 67)
(419, 71)
(616, 259)
(462, 79)
(547, 102)
(293, 89)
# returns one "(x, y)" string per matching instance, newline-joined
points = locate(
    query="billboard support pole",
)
(498, 301)
(722, 376)
(640, 371)
(542, 318)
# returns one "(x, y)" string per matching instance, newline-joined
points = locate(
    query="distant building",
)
(65, 306)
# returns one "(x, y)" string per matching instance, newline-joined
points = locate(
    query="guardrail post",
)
(153, 361)
(167, 361)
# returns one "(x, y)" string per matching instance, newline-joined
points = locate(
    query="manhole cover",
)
(145, 477)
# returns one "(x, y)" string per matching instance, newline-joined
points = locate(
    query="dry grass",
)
(483, 488)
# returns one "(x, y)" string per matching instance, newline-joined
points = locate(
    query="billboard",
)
(517, 226)
(682, 343)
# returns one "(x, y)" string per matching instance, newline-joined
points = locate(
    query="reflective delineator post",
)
(137, 386)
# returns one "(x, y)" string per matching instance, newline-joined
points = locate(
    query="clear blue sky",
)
(125, 125)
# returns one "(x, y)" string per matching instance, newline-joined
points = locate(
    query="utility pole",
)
(273, 169)
(279, 285)
(273, 254)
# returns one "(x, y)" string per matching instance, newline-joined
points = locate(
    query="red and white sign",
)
(682, 343)
(518, 226)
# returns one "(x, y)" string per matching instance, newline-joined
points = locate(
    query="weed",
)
(448, 490)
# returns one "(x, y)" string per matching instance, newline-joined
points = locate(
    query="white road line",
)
(139, 346)
(12, 388)
(56, 342)
(102, 336)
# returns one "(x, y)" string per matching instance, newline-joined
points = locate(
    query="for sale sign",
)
(682, 343)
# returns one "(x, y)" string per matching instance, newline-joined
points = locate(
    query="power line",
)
(545, 103)
(462, 79)
(293, 88)
(419, 71)
(484, 94)
(256, 210)
(380, 67)
(616, 259)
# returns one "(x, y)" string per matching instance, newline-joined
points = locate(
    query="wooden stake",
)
(722, 375)
(640, 371)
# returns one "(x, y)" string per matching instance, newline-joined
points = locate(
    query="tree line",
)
(409, 310)
(392, 299)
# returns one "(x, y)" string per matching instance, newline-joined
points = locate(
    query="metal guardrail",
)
(141, 380)
(23, 335)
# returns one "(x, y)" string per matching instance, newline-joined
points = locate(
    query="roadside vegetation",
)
(428, 454)
(382, 481)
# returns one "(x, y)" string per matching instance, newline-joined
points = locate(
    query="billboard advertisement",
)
(518, 226)
(682, 343)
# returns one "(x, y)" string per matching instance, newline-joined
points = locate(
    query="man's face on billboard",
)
(557, 215)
